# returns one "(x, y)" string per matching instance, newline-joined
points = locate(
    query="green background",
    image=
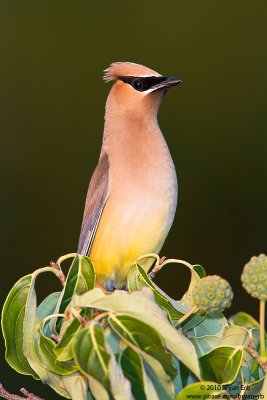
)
(51, 117)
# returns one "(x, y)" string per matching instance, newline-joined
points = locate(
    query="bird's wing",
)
(95, 202)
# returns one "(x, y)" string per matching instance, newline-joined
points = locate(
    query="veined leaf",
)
(197, 272)
(91, 354)
(208, 333)
(244, 319)
(133, 368)
(157, 384)
(141, 305)
(222, 364)
(120, 385)
(30, 320)
(257, 387)
(162, 383)
(76, 386)
(144, 337)
(213, 324)
(63, 350)
(98, 391)
(193, 321)
(96, 361)
(47, 307)
(80, 279)
(13, 315)
(204, 344)
(137, 278)
(235, 335)
(43, 349)
(202, 388)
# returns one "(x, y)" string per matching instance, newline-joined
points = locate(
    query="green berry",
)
(254, 277)
(212, 293)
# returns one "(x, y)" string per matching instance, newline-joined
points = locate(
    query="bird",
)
(132, 195)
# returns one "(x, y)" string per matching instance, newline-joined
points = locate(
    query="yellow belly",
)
(126, 232)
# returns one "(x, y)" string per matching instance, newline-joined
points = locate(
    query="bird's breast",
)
(141, 204)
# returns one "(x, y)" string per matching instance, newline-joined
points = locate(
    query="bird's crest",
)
(118, 69)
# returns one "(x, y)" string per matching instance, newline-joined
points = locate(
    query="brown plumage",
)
(132, 195)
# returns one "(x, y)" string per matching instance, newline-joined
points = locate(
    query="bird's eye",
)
(138, 84)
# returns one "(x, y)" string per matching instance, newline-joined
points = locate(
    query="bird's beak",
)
(171, 82)
(167, 83)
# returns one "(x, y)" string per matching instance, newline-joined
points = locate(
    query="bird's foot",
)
(110, 284)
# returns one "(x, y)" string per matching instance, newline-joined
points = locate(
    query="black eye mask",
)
(141, 84)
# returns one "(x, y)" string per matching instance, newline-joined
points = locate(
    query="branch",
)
(61, 275)
(27, 395)
(251, 348)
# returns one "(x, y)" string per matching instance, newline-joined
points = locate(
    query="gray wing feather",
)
(95, 202)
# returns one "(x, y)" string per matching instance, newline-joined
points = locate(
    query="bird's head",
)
(138, 89)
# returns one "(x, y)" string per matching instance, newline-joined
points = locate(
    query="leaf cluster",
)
(129, 344)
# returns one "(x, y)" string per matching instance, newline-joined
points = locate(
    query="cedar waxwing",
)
(132, 195)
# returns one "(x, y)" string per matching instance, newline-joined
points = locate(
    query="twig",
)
(61, 275)
(56, 338)
(9, 396)
(252, 349)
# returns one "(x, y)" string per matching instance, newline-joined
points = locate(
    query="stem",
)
(150, 255)
(63, 258)
(102, 315)
(6, 395)
(253, 352)
(58, 315)
(83, 321)
(262, 331)
(184, 317)
(158, 266)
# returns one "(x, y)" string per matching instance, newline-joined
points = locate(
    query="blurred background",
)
(52, 100)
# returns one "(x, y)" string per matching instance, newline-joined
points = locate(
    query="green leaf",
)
(97, 389)
(202, 388)
(258, 387)
(264, 387)
(137, 278)
(133, 368)
(98, 364)
(76, 386)
(244, 319)
(222, 364)
(30, 320)
(142, 336)
(120, 385)
(47, 307)
(80, 279)
(63, 350)
(141, 305)
(112, 340)
(162, 383)
(91, 354)
(12, 326)
(213, 324)
(193, 320)
(199, 270)
(178, 380)
(43, 349)
(204, 344)
(235, 336)
(208, 333)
